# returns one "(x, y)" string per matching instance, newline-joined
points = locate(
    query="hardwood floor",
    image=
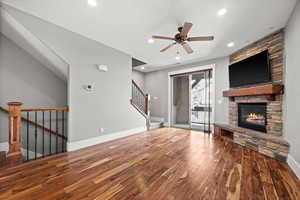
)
(166, 164)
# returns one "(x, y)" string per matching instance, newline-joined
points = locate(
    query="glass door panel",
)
(180, 104)
(201, 101)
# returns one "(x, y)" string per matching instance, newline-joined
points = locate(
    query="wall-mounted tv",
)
(253, 70)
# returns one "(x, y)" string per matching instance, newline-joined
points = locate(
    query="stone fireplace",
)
(255, 113)
(273, 113)
(253, 116)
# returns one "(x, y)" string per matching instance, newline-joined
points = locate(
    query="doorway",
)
(192, 100)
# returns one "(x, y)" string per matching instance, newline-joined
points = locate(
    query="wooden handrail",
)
(3, 110)
(36, 124)
(136, 85)
(66, 108)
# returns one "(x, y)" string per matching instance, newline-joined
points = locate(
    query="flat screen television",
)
(253, 70)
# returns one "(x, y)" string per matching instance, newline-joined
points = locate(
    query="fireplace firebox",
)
(253, 116)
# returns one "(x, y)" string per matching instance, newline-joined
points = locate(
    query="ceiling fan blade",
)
(162, 37)
(186, 29)
(187, 47)
(166, 48)
(206, 38)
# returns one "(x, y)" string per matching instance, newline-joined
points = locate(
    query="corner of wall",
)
(294, 165)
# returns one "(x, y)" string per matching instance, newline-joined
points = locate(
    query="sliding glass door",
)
(192, 100)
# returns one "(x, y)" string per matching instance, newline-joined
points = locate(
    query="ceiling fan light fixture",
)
(182, 38)
(222, 12)
(230, 44)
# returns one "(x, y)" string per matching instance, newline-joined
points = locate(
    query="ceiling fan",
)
(182, 38)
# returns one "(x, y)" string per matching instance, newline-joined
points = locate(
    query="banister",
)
(14, 155)
(66, 108)
(136, 85)
(140, 101)
(38, 125)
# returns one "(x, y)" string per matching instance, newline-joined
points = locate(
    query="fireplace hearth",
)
(253, 116)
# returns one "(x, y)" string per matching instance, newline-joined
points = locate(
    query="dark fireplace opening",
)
(253, 116)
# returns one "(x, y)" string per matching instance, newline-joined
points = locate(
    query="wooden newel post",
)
(14, 154)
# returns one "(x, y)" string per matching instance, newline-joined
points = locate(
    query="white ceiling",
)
(127, 25)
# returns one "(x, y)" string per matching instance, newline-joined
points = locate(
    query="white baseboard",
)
(4, 146)
(72, 146)
(294, 165)
(166, 124)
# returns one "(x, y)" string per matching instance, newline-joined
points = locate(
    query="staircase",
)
(141, 102)
(34, 133)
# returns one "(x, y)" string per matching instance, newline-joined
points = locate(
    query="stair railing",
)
(42, 133)
(141, 101)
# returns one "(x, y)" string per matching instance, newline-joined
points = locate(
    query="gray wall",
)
(292, 82)
(24, 79)
(139, 78)
(156, 84)
(108, 105)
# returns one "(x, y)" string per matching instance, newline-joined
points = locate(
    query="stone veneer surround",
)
(275, 45)
(271, 143)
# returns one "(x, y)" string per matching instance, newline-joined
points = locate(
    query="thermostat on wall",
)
(102, 68)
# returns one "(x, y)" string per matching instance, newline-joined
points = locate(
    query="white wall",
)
(156, 84)
(292, 82)
(24, 79)
(139, 78)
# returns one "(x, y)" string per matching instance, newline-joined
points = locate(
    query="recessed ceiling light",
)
(230, 44)
(177, 58)
(222, 11)
(150, 41)
(93, 3)
(142, 68)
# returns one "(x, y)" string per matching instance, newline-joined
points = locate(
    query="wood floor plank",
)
(257, 185)
(161, 164)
